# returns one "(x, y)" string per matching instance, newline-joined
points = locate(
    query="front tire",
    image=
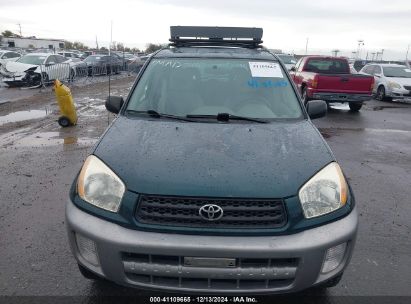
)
(72, 75)
(381, 94)
(355, 107)
(46, 80)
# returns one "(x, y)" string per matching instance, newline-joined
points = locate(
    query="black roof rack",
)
(249, 37)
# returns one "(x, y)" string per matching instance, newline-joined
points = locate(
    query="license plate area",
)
(209, 262)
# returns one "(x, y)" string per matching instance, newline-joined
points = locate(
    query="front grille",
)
(184, 212)
(248, 274)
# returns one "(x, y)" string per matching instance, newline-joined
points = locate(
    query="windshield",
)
(287, 59)
(32, 59)
(397, 72)
(256, 89)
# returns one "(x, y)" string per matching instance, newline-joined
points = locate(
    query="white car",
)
(392, 81)
(37, 68)
(6, 56)
(288, 60)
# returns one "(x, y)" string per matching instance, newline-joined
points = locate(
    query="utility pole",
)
(306, 46)
(360, 43)
(96, 43)
(20, 29)
(406, 57)
(382, 53)
(335, 52)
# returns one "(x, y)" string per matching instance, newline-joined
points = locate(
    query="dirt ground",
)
(39, 160)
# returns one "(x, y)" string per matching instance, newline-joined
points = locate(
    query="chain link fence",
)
(78, 73)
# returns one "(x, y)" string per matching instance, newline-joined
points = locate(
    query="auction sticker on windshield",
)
(265, 69)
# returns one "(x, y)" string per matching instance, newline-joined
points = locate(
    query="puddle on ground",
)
(23, 115)
(379, 108)
(330, 132)
(45, 139)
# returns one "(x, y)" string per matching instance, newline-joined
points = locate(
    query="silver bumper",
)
(342, 97)
(399, 94)
(155, 260)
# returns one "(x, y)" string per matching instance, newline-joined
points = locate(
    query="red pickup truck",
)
(329, 79)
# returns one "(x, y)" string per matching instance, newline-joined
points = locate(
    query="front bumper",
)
(399, 94)
(154, 260)
(341, 97)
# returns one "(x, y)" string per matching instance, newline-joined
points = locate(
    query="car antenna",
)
(109, 75)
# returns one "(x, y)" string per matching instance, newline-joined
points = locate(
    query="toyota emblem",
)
(211, 212)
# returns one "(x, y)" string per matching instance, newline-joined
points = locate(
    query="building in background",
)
(31, 43)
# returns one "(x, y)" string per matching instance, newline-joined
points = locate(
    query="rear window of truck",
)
(327, 66)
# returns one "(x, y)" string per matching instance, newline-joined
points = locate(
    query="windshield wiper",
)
(155, 114)
(227, 117)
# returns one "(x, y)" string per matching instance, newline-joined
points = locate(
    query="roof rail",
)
(249, 37)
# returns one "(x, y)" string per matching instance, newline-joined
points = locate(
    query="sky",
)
(287, 24)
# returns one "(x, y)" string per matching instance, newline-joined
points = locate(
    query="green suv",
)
(212, 178)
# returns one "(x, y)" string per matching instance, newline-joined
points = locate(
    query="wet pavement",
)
(38, 161)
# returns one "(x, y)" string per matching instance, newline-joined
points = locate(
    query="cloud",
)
(287, 24)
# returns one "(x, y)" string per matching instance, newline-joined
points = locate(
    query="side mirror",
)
(293, 69)
(316, 108)
(377, 75)
(114, 104)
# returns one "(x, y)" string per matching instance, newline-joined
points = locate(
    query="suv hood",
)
(165, 157)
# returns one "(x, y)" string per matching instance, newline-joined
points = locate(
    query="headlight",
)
(99, 186)
(324, 192)
(394, 85)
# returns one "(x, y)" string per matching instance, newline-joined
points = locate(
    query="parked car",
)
(103, 64)
(392, 81)
(35, 68)
(6, 56)
(358, 64)
(212, 178)
(288, 60)
(135, 64)
(353, 70)
(330, 79)
(70, 54)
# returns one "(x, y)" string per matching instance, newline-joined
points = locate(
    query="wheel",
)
(304, 95)
(355, 106)
(331, 282)
(381, 94)
(64, 121)
(72, 74)
(88, 274)
(45, 78)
